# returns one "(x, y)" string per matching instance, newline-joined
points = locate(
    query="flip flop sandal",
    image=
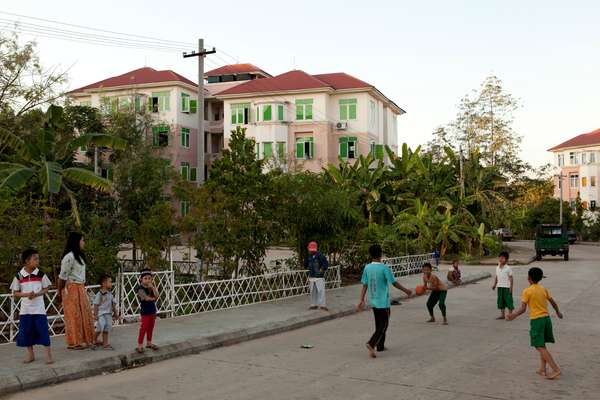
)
(153, 347)
(139, 351)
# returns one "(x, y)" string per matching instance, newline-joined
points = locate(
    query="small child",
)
(454, 273)
(30, 285)
(537, 297)
(438, 289)
(104, 312)
(147, 294)
(504, 283)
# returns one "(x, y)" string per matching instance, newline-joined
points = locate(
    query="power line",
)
(188, 44)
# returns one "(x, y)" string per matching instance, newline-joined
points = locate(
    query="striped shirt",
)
(26, 282)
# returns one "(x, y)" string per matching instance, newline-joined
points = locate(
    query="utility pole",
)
(201, 53)
(560, 186)
(462, 178)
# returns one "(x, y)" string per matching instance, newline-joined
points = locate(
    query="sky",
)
(424, 55)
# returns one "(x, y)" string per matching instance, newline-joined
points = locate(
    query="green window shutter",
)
(193, 174)
(185, 171)
(343, 146)
(309, 113)
(281, 150)
(184, 107)
(138, 104)
(379, 151)
(312, 149)
(233, 115)
(268, 149)
(193, 106)
(299, 112)
(267, 112)
(299, 149)
(257, 151)
(343, 112)
(280, 112)
(352, 111)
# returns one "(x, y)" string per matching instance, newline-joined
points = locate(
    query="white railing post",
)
(11, 319)
(172, 284)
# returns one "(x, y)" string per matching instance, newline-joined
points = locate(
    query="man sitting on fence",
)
(317, 264)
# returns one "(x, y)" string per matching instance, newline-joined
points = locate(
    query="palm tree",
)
(49, 162)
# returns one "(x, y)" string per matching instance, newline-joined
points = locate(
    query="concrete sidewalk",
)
(182, 336)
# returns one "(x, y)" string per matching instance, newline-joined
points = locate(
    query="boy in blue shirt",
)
(376, 279)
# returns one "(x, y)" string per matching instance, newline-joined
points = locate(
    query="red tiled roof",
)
(585, 139)
(297, 80)
(341, 80)
(137, 77)
(232, 69)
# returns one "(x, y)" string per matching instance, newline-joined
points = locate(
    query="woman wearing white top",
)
(79, 325)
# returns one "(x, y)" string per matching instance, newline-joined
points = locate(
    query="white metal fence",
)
(176, 299)
(408, 265)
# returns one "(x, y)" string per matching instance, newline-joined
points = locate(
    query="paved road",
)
(475, 357)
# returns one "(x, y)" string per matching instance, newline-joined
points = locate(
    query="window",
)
(583, 181)
(592, 157)
(184, 169)
(561, 160)
(372, 114)
(573, 158)
(574, 181)
(240, 113)
(107, 173)
(185, 103)
(372, 148)
(305, 148)
(304, 109)
(160, 136)
(185, 138)
(592, 205)
(280, 112)
(281, 150)
(123, 103)
(193, 174)
(347, 109)
(592, 181)
(159, 102)
(267, 150)
(348, 147)
(257, 115)
(584, 158)
(184, 208)
(266, 115)
(213, 79)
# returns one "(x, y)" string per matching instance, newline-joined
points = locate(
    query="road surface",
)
(475, 357)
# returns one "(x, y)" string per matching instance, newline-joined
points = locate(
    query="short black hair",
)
(504, 254)
(103, 278)
(535, 274)
(427, 265)
(28, 253)
(375, 251)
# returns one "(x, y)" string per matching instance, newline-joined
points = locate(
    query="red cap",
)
(312, 246)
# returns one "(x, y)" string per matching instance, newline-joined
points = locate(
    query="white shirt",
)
(503, 274)
(71, 270)
(34, 282)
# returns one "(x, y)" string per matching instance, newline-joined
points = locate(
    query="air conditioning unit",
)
(341, 126)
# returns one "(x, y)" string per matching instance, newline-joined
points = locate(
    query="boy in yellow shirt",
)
(537, 297)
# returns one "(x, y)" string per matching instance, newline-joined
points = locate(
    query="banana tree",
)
(44, 165)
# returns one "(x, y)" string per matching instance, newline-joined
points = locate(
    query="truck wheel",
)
(567, 256)
(538, 256)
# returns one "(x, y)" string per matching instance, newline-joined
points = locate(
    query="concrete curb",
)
(44, 376)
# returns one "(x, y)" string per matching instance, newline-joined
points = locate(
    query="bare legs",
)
(546, 358)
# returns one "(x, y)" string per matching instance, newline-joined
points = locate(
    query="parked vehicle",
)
(572, 236)
(503, 234)
(551, 239)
